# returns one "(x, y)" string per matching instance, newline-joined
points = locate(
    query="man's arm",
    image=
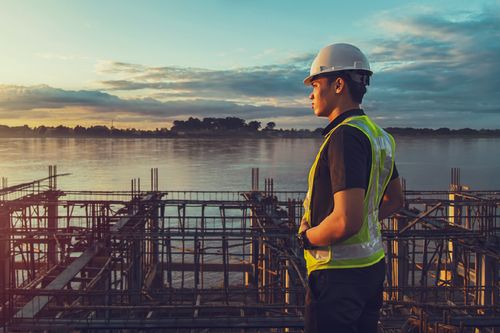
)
(347, 216)
(392, 201)
(345, 220)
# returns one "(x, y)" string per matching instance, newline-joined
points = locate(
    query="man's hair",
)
(356, 90)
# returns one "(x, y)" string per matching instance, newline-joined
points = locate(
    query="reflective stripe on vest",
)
(365, 247)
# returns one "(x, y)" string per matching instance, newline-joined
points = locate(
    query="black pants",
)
(344, 300)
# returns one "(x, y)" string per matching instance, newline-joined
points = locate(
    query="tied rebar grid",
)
(228, 261)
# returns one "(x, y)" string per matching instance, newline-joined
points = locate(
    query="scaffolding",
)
(224, 261)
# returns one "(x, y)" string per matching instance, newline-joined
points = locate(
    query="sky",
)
(144, 64)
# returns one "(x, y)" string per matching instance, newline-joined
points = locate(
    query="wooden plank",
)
(141, 324)
(211, 267)
(37, 303)
(31, 309)
(122, 222)
(197, 310)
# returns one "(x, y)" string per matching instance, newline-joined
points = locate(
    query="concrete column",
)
(454, 217)
(488, 277)
(4, 253)
(402, 254)
(135, 273)
(52, 226)
(155, 245)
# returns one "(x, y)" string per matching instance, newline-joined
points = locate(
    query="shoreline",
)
(244, 136)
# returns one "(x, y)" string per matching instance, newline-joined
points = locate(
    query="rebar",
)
(229, 259)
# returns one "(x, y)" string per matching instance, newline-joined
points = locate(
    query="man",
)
(353, 184)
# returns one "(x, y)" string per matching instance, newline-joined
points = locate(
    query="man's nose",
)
(311, 96)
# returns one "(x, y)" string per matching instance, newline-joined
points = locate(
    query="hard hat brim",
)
(308, 80)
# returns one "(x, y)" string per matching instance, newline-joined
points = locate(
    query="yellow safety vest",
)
(365, 247)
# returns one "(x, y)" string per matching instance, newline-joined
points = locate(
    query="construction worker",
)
(353, 183)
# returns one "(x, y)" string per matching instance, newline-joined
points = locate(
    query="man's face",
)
(323, 97)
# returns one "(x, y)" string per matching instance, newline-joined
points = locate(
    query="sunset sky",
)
(146, 63)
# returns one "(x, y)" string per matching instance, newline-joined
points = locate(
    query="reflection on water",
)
(225, 164)
(426, 162)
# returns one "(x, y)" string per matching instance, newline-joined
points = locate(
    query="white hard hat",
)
(338, 57)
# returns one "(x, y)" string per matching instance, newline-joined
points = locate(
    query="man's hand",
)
(302, 237)
(392, 201)
(345, 220)
(304, 225)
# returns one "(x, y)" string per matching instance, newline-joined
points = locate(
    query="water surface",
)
(225, 164)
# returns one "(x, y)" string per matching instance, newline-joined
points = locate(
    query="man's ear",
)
(339, 85)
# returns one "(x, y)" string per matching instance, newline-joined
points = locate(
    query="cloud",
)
(424, 64)
(18, 100)
(282, 80)
(116, 67)
(431, 70)
(432, 64)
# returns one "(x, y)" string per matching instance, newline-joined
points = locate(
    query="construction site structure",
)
(228, 261)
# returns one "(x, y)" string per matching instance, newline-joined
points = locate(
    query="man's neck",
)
(341, 108)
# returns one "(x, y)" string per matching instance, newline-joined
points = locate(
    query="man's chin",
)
(318, 113)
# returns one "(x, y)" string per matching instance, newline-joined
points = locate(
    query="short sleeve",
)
(349, 157)
(395, 173)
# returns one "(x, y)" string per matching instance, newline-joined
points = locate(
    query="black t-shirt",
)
(345, 163)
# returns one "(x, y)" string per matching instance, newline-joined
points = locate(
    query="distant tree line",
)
(229, 126)
(192, 127)
(78, 131)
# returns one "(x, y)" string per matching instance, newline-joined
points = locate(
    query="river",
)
(225, 164)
